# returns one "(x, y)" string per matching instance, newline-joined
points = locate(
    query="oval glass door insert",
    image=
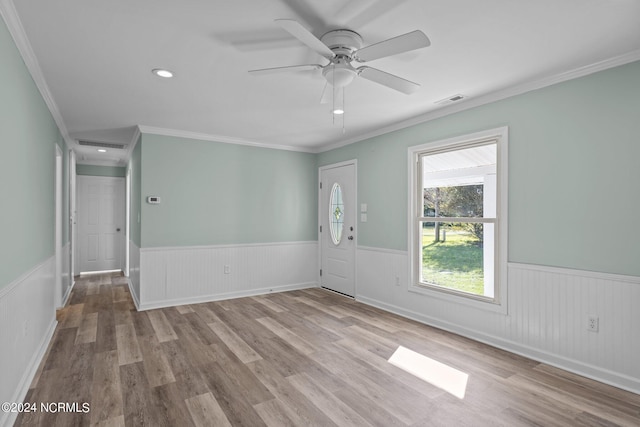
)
(336, 213)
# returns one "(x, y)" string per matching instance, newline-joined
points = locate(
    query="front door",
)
(337, 219)
(100, 223)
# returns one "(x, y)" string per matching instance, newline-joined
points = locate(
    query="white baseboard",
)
(65, 298)
(134, 296)
(27, 323)
(599, 374)
(220, 297)
(546, 318)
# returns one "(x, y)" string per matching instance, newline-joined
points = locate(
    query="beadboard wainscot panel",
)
(27, 323)
(548, 308)
(134, 273)
(185, 275)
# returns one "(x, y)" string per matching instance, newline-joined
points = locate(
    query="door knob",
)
(350, 237)
(118, 230)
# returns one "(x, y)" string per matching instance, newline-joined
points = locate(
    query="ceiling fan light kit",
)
(341, 48)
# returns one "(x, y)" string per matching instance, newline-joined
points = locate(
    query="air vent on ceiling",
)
(450, 99)
(101, 144)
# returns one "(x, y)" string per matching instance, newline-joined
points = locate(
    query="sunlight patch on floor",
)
(435, 373)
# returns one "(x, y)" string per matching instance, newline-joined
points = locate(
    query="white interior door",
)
(100, 223)
(337, 219)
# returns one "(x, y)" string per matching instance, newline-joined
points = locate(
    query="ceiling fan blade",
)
(388, 80)
(301, 33)
(404, 43)
(288, 68)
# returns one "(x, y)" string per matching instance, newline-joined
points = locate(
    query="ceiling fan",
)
(343, 47)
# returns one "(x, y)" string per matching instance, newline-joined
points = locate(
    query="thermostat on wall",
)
(154, 200)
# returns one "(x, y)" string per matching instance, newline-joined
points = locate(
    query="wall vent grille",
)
(450, 99)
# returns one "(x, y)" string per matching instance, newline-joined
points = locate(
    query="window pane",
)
(336, 214)
(465, 201)
(453, 256)
(460, 183)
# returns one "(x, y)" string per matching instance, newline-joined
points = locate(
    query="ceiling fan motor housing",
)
(343, 43)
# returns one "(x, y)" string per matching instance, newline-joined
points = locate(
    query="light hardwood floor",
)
(297, 358)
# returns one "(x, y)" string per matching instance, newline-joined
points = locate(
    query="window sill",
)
(480, 303)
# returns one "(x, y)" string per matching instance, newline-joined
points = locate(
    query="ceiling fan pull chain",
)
(344, 109)
(333, 95)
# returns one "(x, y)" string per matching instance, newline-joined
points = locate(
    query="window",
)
(336, 213)
(457, 229)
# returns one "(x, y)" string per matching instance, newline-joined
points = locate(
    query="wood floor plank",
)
(237, 409)
(111, 422)
(170, 406)
(142, 324)
(303, 357)
(287, 335)
(106, 331)
(161, 325)
(298, 408)
(106, 394)
(185, 369)
(73, 316)
(264, 300)
(184, 309)
(327, 402)
(371, 389)
(88, 329)
(205, 411)
(241, 349)
(128, 347)
(121, 313)
(155, 363)
(136, 397)
(274, 414)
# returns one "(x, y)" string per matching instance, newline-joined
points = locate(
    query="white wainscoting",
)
(547, 314)
(27, 322)
(186, 275)
(134, 273)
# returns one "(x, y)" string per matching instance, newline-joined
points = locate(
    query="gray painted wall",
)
(573, 172)
(28, 134)
(136, 198)
(214, 193)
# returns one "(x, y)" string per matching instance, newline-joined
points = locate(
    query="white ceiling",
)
(96, 57)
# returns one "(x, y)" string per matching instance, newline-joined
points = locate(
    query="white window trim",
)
(501, 135)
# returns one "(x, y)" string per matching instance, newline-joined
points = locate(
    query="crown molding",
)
(16, 29)
(492, 97)
(218, 138)
(132, 145)
(14, 25)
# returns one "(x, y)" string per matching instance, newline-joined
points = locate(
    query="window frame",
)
(499, 302)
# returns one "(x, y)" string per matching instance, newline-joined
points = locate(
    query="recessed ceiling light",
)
(338, 111)
(101, 150)
(160, 72)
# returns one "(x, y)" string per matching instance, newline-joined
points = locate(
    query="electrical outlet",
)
(397, 280)
(593, 323)
(227, 269)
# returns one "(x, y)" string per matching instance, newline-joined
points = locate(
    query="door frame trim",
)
(123, 244)
(57, 299)
(354, 163)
